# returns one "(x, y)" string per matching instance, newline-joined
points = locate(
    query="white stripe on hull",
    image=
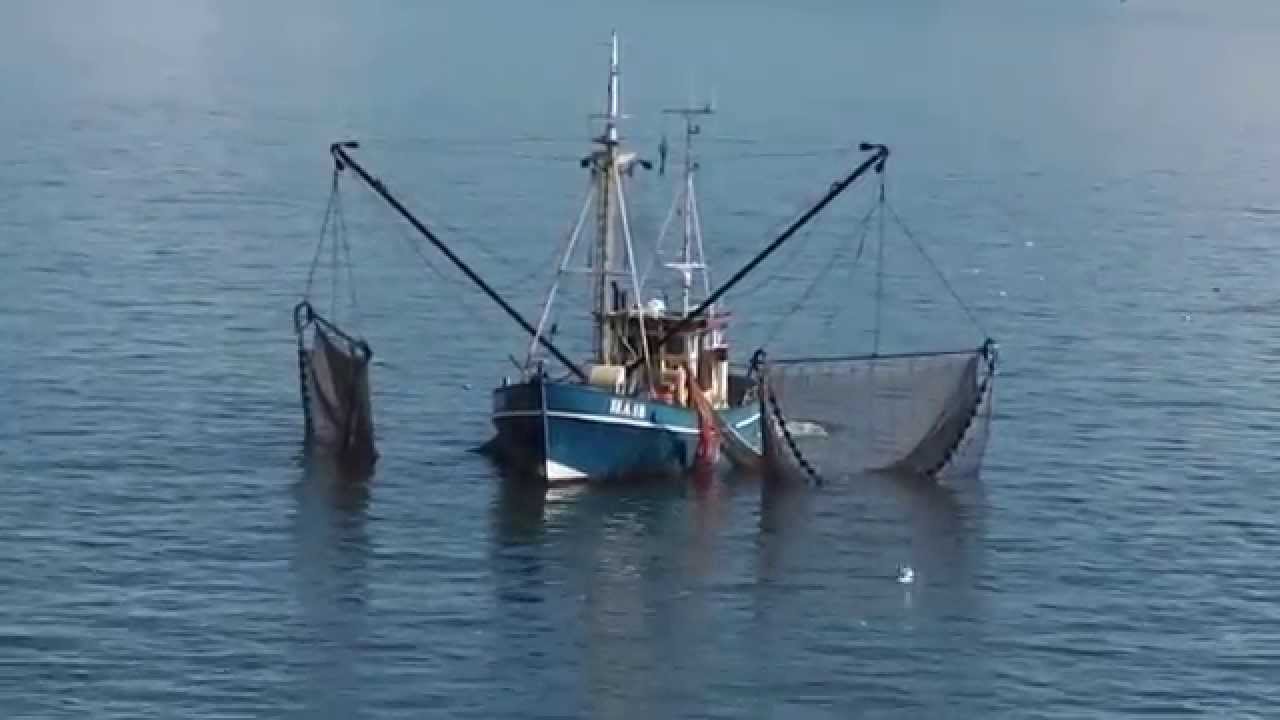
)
(613, 420)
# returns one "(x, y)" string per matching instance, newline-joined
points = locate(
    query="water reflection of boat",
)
(330, 563)
(786, 511)
(614, 580)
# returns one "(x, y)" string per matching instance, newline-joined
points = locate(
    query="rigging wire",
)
(662, 236)
(881, 210)
(832, 316)
(351, 277)
(324, 228)
(570, 242)
(333, 237)
(473, 242)
(719, 149)
(415, 246)
(489, 141)
(875, 345)
(334, 273)
(518, 268)
(547, 266)
(863, 227)
(795, 249)
(801, 243)
(937, 271)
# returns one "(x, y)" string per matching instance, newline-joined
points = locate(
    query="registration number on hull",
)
(627, 408)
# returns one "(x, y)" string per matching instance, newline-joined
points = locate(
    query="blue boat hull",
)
(569, 432)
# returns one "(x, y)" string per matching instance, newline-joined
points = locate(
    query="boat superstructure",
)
(635, 412)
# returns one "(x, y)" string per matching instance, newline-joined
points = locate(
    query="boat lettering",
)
(629, 409)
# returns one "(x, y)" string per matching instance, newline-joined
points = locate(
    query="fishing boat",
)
(656, 390)
(634, 411)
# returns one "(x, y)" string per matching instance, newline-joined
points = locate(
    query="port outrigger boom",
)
(343, 160)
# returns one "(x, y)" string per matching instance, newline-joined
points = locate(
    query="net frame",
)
(937, 432)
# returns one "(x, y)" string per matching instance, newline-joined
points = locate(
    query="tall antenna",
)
(611, 113)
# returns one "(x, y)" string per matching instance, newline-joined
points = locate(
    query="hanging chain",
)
(809, 469)
(304, 373)
(984, 389)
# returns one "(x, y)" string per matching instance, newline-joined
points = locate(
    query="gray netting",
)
(923, 414)
(335, 388)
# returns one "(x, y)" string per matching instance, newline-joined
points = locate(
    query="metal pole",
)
(343, 160)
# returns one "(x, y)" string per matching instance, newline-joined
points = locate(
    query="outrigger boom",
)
(343, 160)
(877, 161)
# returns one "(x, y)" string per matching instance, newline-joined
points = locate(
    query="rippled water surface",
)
(1097, 179)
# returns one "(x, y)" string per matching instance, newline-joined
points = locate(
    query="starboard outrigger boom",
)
(880, 154)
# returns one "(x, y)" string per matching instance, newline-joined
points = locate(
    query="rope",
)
(662, 236)
(862, 243)
(879, 270)
(793, 249)
(351, 277)
(515, 268)
(799, 244)
(519, 269)
(334, 272)
(815, 359)
(415, 246)
(540, 269)
(324, 227)
(626, 236)
(943, 278)
(333, 232)
(333, 235)
(865, 224)
(570, 245)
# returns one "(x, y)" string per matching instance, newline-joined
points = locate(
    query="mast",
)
(611, 255)
(689, 208)
(605, 162)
